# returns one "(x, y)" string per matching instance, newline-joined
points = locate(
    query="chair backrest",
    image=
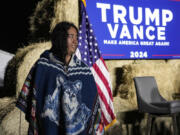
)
(147, 90)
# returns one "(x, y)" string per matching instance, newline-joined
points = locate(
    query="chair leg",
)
(149, 124)
(174, 120)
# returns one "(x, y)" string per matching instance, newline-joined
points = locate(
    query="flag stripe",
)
(103, 99)
(100, 84)
(104, 118)
(105, 71)
(104, 96)
(104, 64)
(103, 78)
(104, 112)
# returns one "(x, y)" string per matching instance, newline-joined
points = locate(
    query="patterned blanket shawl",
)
(58, 102)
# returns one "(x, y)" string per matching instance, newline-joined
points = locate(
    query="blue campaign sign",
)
(136, 29)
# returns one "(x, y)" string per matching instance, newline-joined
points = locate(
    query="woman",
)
(59, 95)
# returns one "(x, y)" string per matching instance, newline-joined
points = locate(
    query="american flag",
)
(89, 53)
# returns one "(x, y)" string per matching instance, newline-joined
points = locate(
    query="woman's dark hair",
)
(59, 39)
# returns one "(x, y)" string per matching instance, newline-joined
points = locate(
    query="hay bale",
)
(14, 123)
(10, 78)
(40, 20)
(20, 65)
(50, 12)
(161, 61)
(175, 63)
(114, 68)
(66, 10)
(7, 105)
(28, 61)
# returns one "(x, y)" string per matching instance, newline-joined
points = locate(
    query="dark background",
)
(15, 23)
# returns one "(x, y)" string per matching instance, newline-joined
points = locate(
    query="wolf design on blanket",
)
(76, 112)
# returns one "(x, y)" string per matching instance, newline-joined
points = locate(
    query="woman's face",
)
(72, 41)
